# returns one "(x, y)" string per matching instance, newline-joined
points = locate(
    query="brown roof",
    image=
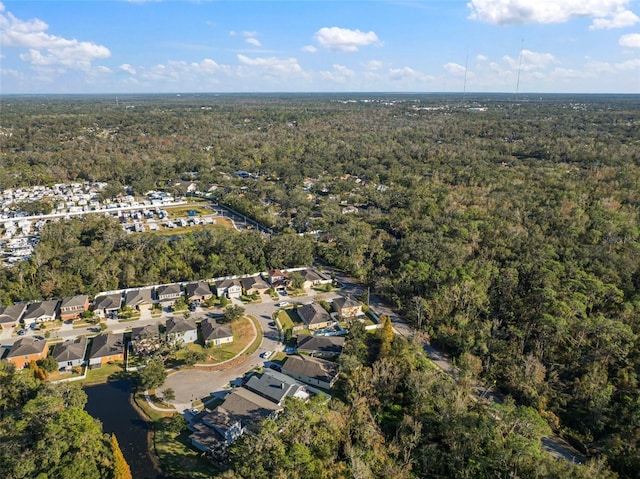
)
(212, 330)
(40, 309)
(107, 345)
(70, 350)
(180, 325)
(74, 301)
(248, 407)
(12, 313)
(321, 344)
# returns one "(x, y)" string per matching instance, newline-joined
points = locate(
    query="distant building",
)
(169, 293)
(198, 292)
(139, 299)
(108, 304)
(231, 288)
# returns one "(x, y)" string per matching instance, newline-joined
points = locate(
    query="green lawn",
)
(258, 339)
(97, 376)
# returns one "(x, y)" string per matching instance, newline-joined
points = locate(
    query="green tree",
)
(233, 313)
(153, 375)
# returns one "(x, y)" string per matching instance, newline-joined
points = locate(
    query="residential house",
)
(139, 299)
(254, 284)
(106, 348)
(198, 292)
(214, 334)
(10, 315)
(241, 410)
(315, 316)
(278, 280)
(41, 311)
(314, 278)
(25, 350)
(169, 293)
(181, 330)
(70, 353)
(73, 307)
(276, 386)
(347, 307)
(327, 347)
(231, 288)
(107, 305)
(312, 371)
(145, 339)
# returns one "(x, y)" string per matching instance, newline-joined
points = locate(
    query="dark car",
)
(272, 324)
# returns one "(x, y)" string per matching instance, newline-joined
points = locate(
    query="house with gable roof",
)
(214, 334)
(10, 315)
(315, 316)
(25, 350)
(73, 307)
(70, 353)
(41, 311)
(181, 330)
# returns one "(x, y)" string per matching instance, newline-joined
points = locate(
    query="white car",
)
(266, 355)
(283, 304)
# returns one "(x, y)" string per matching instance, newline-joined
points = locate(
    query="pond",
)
(110, 404)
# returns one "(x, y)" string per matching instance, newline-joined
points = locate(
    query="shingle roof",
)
(79, 300)
(212, 330)
(254, 282)
(273, 385)
(313, 314)
(169, 289)
(323, 344)
(70, 350)
(180, 325)
(198, 289)
(12, 313)
(40, 309)
(248, 407)
(109, 301)
(138, 297)
(313, 368)
(107, 345)
(144, 332)
(26, 347)
(348, 302)
(227, 283)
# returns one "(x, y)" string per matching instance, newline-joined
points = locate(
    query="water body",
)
(110, 404)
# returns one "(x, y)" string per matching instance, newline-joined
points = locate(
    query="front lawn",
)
(177, 458)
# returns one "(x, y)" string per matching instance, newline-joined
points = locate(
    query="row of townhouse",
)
(111, 347)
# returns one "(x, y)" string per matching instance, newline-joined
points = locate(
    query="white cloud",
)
(309, 49)
(339, 74)
(344, 40)
(253, 41)
(531, 61)
(58, 51)
(374, 65)
(125, 67)
(621, 19)
(407, 73)
(455, 69)
(278, 66)
(631, 40)
(481, 58)
(606, 13)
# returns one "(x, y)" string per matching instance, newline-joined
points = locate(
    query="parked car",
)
(22, 332)
(272, 324)
(282, 305)
(266, 355)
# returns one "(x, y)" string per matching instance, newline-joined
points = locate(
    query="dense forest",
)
(507, 230)
(46, 433)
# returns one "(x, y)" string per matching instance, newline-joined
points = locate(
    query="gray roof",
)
(70, 350)
(212, 330)
(322, 344)
(314, 314)
(180, 325)
(79, 300)
(273, 385)
(254, 282)
(145, 332)
(313, 275)
(138, 297)
(40, 309)
(109, 301)
(313, 368)
(12, 313)
(198, 289)
(248, 407)
(107, 345)
(169, 289)
(25, 347)
(227, 283)
(348, 302)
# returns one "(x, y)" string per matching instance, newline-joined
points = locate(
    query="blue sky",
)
(583, 46)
